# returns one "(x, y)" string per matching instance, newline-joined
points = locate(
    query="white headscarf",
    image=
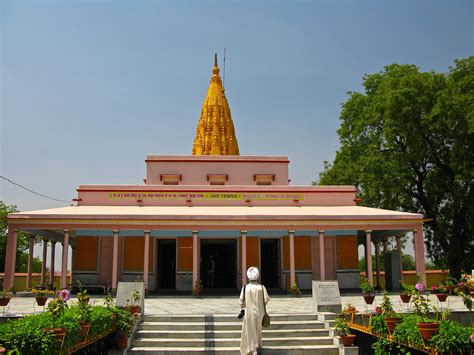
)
(253, 273)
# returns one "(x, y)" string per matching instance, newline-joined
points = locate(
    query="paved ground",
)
(220, 305)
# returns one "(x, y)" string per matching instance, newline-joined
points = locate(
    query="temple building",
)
(214, 207)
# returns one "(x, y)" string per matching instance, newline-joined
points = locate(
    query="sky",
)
(89, 88)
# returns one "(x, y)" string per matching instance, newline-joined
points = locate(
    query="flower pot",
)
(135, 309)
(369, 299)
(41, 300)
(392, 322)
(405, 298)
(347, 340)
(2, 350)
(4, 301)
(378, 310)
(85, 326)
(427, 330)
(442, 297)
(121, 343)
(59, 333)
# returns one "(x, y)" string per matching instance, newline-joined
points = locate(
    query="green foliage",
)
(452, 337)
(102, 319)
(407, 143)
(407, 288)
(408, 263)
(125, 319)
(365, 285)
(56, 308)
(387, 306)
(407, 332)
(378, 326)
(342, 326)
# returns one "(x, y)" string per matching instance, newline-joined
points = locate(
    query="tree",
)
(21, 263)
(407, 143)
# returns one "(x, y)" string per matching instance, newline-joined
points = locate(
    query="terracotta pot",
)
(378, 310)
(59, 333)
(427, 330)
(392, 322)
(347, 340)
(351, 310)
(85, 326)
(121, 343)
(405, 298)
(135, 309)
(41, 300)
(4, 301)
(2, 349)
(442, 297)
(369, 299)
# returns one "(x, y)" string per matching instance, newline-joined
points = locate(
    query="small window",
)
(170, 182)
(217, 179)
(170, 179)
(264, 179)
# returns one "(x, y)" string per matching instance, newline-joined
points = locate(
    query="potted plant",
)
(85, 312)
(421, 306)
(135, 307)
(406, 292)
(390, 316)
(449, 283)
(56, 308)
(41, 295)
(295, 290)
(440, 291)
(342, 327)
(349, 309)
(125, 322)
(82, 295)
(367, 289)
(5, 299)
(197, 288)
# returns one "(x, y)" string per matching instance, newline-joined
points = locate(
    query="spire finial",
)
(215, 60)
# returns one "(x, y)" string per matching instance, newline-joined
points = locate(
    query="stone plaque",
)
(125, 291)
(326, 296)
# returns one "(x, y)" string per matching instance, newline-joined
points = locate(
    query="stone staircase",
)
(220, 334)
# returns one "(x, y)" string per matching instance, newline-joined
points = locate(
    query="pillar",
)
(43, 262)
(146, 258)
(291, 234)
(420, 253)
(29, 272)
(243, 236)
(51, 266)
(10, 259)
(65, 258)
(195, 258)
(368, 256)
(377, 264)
(399, 249)
(322, 264)
(115, 260)
(73, 263)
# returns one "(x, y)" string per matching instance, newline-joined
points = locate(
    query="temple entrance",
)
(166, 264)
(218, 263)
(270, 262)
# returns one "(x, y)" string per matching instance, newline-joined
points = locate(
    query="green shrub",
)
(378, 326)
(407, 332)
(101, 320)
(452, 336)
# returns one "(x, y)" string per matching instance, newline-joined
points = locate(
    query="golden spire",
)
(215, 133)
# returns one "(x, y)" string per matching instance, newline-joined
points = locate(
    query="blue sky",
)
(89, 88)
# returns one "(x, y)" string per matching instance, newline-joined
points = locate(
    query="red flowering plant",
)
(437, 289)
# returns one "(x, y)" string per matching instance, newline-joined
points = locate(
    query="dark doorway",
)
(220, 256)
(270, 262)
(166, 264)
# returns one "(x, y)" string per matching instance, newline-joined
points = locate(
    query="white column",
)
(243, 236)
(146, 258)
(43, 262)
(65, 257)
(115, 260)
(322, 263)
(291, 234)
(420, 253)
(195, 258)
(29, 276)
(368, 256)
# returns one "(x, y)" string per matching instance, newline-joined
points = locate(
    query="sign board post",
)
(326, 297)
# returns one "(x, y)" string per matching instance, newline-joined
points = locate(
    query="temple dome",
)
(215, 133)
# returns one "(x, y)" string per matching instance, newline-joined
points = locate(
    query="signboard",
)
(326, 296)
(125, 291)
(236, 196)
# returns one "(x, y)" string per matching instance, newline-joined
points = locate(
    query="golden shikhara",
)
(215, 133)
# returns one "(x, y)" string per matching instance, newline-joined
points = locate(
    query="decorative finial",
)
(215, 59)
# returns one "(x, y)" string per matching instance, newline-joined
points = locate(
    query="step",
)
(274, 350)
(310, 324)
(222, 318)
(228, 333)
(229, 342)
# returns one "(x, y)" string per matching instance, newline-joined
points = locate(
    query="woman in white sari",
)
(251, 299)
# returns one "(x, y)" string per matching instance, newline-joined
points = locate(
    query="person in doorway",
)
(211, 271)
(252, 298)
